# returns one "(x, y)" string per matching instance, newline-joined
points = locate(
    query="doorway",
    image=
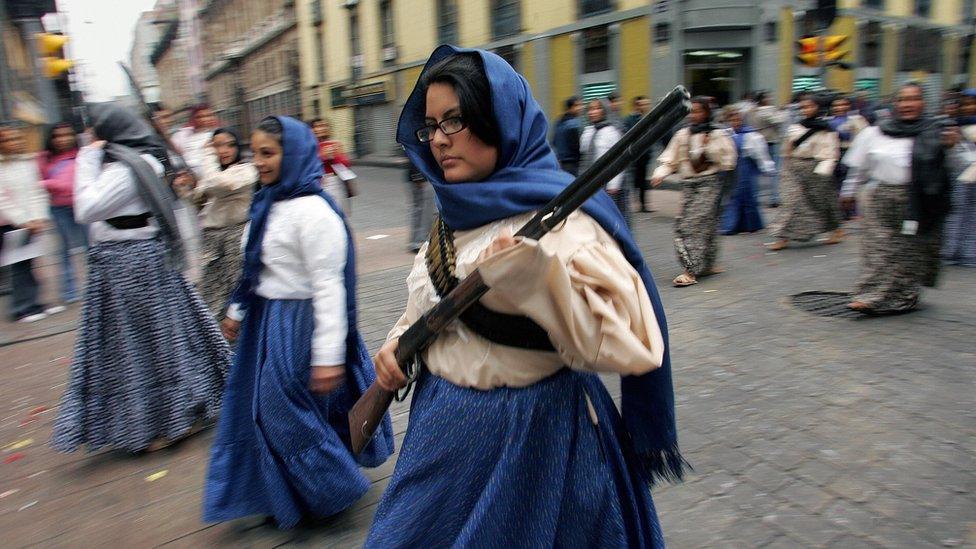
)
(717, 82)
(717, 73)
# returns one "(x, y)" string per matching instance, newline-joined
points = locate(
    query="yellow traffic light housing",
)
(51, 47)
(810, 54)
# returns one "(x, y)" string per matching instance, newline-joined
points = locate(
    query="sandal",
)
(860, 306)
(835, 238)
(778, 245)
(684, 279)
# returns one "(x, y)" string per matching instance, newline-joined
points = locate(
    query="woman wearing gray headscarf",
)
(603, 132)
(149, 360)
(906, 162)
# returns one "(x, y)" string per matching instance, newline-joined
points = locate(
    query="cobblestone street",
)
(803, 431)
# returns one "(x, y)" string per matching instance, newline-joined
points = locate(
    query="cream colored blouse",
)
(684, 146)
(574, 282)
(823, 146)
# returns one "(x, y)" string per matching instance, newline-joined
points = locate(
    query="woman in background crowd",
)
(603, 132)
(810, 206)
(702, 155)
(57, 164)
(23, 205)
(149, 360)
(906, 162)
(282, 446)
(192, 140)
(333, 158)
(847, 125)
(960, 228)
(742, 213)
(224, 192)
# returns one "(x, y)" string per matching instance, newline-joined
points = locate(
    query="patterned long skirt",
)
(222, 258)
(696, 229)
(515, 467)
(149, 361)
(810, 203)
(895, 266)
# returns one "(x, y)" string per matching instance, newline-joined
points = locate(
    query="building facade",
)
(251, 60)
(144, 40)
(171, 61)
(360, 58)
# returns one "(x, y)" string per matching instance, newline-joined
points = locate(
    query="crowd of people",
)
(263, 340)
(822, 159)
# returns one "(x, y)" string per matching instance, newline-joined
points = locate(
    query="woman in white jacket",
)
(600, 134)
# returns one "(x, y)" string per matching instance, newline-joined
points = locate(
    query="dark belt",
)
(124, 222)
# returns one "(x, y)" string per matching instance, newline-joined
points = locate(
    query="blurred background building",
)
(35, 70)
(355, 61)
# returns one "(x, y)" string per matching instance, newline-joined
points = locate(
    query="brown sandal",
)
(778, 245)
(835, 238)
(684, 279)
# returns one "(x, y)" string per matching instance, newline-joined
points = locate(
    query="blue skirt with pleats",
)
(524, 467)
(282, 450)
(741, 214)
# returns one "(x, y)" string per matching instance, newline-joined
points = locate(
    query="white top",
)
(877, 157)
(754, 146)
(104, 192)
(683, 147)
(304, 256)
(193, 148)
(22, 197)
(605, 138)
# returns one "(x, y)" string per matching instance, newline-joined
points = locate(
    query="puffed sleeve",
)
(856, 160)
(591, 302)
(323, 248)
(415, 280)
(668, 162)
(721, 150)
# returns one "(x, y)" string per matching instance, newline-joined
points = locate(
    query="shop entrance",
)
(718, 74)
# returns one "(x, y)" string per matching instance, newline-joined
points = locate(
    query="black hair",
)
(237, 144)
(705, 103)
(613, 96)
(311, 123)
(912, 84)
(49, 139)
(465, 73)
(271, 126)
(570, 101)
(638, 98)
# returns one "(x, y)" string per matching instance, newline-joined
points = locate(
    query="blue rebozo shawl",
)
(527, 176)
(301, 175)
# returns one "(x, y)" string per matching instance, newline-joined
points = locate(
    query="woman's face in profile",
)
(462, 156)
(267, 157)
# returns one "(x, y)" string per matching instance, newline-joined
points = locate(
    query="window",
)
(921, 50)
(596, 49)
(510, 54)
(594, 7)
(770, 31)
(968, 11)
(662, 33)
(354, 44)
(316, 11)
(447, 22)
(506, 18)
(923, 8)
(386, 24)
(873, 4)
(387, 36)
(871, 45)
(320, 52)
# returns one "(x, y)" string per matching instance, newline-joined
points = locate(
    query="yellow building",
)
(360, 58)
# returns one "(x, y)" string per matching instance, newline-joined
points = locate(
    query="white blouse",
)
(605, 138)
(874, 156)
(104, 192)
(754, 146)
(304, 257)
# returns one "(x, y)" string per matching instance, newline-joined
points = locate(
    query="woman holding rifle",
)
(512, 436)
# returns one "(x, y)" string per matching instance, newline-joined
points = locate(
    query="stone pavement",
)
(804, 431)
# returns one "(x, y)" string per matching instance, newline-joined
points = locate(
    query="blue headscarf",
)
(301, 175)
(527, 176)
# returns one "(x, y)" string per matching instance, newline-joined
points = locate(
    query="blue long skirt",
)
(522, 467)
(742, 213)
(282, 450)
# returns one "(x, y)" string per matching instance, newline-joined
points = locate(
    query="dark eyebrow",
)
(454, 111)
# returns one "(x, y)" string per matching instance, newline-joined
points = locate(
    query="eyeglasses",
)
(449, 126)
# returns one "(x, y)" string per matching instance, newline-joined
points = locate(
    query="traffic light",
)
(51, 47)
(808, 50)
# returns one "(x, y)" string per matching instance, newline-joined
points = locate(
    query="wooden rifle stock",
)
(367, 414)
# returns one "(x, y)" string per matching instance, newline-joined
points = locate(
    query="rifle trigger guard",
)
(545, 221)
(413, 372)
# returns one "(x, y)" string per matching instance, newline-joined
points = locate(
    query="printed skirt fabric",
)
(149, 360)
(810, 202)
(515, 467)
(696, 229)
(895, 266)
(280, 449)
(222, 260)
